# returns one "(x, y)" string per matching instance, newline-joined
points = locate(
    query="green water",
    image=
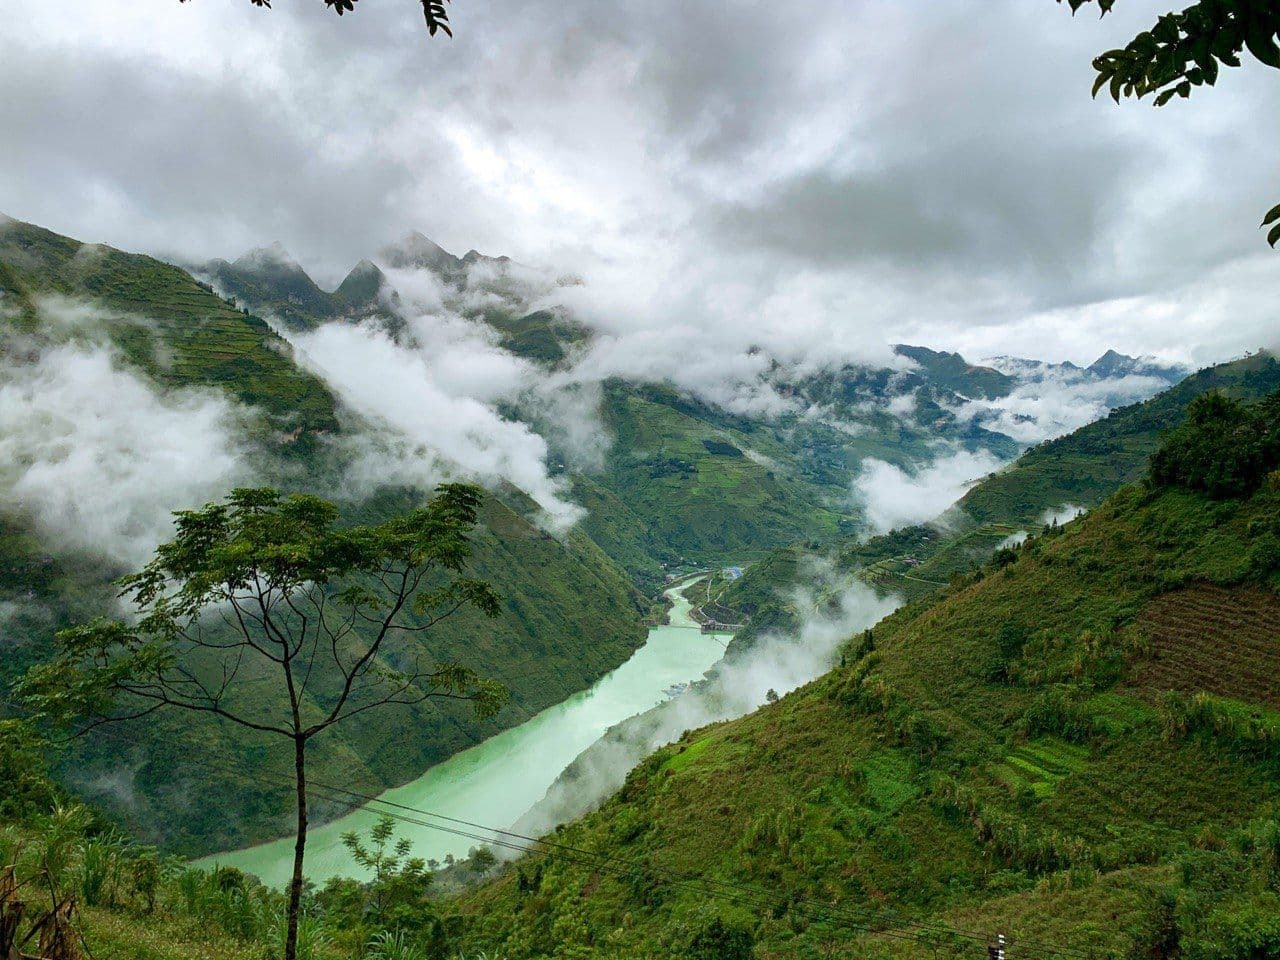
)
(496, 782)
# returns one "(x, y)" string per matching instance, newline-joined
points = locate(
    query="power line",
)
(556, 845)
(737, 892)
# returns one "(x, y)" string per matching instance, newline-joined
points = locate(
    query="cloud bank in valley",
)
(1053, 400)
(431, 400)
(892, 497)
(98, 458)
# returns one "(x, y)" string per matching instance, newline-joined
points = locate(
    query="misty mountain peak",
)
(415, 251)
(365, 268)
(1112, 358)
(1114, 364)
(472, 257)
(274, 256)
(363, 284)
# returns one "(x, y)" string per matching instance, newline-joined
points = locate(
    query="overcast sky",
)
(831, 175)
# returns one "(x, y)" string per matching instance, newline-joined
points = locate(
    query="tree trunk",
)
(299, 848)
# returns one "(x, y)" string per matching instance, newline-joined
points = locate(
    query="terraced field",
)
(1223, 641)
(1039, 766)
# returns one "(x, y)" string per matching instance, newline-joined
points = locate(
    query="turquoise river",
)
(497, 781)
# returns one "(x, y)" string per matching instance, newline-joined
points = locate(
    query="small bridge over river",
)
(715, 626)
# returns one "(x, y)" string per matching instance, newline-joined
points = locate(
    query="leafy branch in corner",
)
(433, 10)
(1187, 50)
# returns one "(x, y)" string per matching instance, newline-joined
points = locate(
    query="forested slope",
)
(570, 614)
(1077, 748)
(1076, 471)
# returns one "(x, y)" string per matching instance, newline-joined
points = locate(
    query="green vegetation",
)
(1088, 465)
(1223, 449)
(1004, 756)
(571, 614)
(71, 885)
(1080, 469)
(542, 337)
(325, 622)
(680, 470)
(1070, 739)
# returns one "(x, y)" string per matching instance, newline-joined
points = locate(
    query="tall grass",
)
(1248, 729)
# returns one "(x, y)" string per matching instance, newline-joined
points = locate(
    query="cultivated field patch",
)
(1223, 641)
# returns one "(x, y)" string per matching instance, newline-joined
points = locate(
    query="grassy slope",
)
(1088, 465)
(571, 613)
(688, 479)
(914, 783)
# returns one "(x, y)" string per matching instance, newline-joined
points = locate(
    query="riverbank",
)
(500, 780)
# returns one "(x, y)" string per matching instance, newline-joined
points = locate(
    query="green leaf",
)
(1274, 236)
(1262, 44)
(1272, 215)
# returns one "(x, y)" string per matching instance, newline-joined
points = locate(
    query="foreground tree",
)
(433, 10)
(1186, 50)
(266, 585)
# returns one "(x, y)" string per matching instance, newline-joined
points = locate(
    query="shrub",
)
(1159, 936)
(1223, 449)
(1246, 933)
(719, 940)
(1010, 641)
(393, 946)
(1265, 555)
(1057, 712)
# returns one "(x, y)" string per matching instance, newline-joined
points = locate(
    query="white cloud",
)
(1056, 403)
(434, 397)
(721, 182)
(1016, 539)
(893, 497)
(1063, 514)
(98, 457)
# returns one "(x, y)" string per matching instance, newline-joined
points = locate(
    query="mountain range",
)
(1066, 733)
(681, 481)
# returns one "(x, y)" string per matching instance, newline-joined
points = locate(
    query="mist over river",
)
(498, 781)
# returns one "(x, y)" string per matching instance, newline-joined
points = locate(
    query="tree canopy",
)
(1224, 448)
(264, 611)
(1186, 50)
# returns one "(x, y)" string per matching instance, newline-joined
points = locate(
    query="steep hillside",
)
(1060, 476)
(568, 617)
(685, 481)
(1006, 757)
(1086, 466)
(708, 487)
(162, 319)
(570, 613)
